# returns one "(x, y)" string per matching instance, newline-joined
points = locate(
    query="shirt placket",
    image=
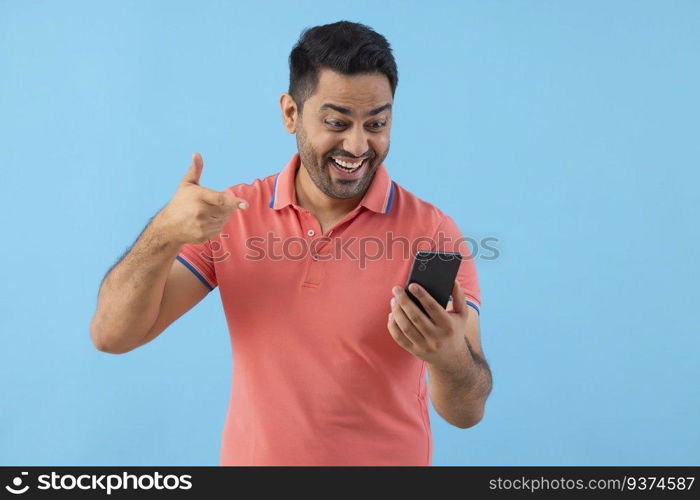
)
(318, 251)
(311, 229)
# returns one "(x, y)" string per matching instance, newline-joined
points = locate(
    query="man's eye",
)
(378, 125)
(334, 123)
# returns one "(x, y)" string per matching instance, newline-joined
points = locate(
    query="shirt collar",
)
(378, 198)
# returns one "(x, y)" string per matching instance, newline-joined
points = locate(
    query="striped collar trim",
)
(378, 198)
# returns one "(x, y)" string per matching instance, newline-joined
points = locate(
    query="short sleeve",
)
(198, 258)
(449, 238)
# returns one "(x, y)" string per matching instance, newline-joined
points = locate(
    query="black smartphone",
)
(436, 272)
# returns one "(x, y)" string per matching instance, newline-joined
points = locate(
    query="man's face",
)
(348, 119)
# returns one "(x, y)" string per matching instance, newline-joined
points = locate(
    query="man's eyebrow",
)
(349, 112)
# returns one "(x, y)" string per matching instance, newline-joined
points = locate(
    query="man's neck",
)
(324, 207)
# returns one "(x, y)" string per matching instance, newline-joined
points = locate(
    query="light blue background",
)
(569, 131)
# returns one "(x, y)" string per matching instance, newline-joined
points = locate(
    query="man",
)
(330, 354)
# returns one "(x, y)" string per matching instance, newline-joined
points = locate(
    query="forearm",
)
(459, 390)
(130, 295)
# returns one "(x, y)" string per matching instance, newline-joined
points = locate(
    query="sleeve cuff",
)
(469, 303)
(195, 271)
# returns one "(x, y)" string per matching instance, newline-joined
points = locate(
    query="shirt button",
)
(310, 232)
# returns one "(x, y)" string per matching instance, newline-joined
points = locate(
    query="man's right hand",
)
(196, 214)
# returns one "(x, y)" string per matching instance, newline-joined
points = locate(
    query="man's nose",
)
(356, 142)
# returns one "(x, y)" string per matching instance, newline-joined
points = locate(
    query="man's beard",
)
(319, 170)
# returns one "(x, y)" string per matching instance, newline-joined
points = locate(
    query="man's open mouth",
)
(345, 165)
(347, 169)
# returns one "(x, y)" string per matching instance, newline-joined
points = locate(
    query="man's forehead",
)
(360, 92)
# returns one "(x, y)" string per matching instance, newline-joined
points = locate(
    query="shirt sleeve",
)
(449, 238)
(198, 258)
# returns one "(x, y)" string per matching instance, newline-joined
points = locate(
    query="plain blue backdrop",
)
(568, 131)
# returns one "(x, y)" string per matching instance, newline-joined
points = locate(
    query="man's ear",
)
(290, 115)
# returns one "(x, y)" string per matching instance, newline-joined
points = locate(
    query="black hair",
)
(345, 47)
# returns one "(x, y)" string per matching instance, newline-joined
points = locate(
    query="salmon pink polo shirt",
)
(317, 378)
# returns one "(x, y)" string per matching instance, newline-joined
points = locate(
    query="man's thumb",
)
(195, 171)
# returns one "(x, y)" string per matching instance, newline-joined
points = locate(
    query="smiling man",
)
(330, 355)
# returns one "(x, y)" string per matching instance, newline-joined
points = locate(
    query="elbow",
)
(99, 337)
(470, 420)
(467, 423)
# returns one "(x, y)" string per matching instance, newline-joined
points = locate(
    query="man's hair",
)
(345, 47)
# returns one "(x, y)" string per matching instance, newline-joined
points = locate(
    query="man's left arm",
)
(448, 340)
(459, 393)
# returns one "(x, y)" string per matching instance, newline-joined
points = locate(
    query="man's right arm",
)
(148, 289)
(132, 295)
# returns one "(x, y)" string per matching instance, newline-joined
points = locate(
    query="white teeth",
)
(348, 165)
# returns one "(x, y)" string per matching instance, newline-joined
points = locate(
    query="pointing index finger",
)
(224, 200)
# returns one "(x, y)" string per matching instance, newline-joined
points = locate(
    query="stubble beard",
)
(322, 178)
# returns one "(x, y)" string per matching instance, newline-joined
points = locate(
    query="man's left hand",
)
(437, 338)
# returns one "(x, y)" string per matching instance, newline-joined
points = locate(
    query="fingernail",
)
(393, 302)
(242, 204)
